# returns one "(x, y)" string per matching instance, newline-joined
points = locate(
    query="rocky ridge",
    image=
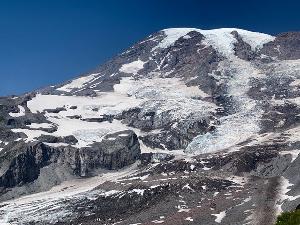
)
(181, 121)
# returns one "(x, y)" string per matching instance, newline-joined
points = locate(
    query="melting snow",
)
(20, 113)
(189, 219)
(40, 125)
(295, 82)
(133, 67)
(293, 153)
(160, 94)
(158, 221)
(219, 216)
(285, 188)
(138, 191)
(29, 208)
(78, 83)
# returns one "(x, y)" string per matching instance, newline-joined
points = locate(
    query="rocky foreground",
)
(188, 126)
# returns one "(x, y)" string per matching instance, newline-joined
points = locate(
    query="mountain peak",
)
(191, 116)
(221, 39)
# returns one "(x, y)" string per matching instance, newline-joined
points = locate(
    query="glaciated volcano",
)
(162, 133)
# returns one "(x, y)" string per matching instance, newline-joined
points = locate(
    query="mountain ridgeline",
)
(164, 132)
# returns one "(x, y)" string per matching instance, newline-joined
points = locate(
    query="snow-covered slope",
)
(202, 112)
(221, 39)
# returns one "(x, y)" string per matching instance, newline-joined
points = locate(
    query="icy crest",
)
(78, 83)
(221, 39)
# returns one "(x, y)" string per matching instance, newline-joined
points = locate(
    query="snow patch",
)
(220, 216)
(40, 125)
(283, 196)
(28, 208)
(189, 219)
(133, 67)
(78, 83)
(20, 113)
(293, 153)
(138, 191)
(295, 83)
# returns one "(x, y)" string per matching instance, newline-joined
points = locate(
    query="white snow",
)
(238, 180)
(158, 221)
(254, 39)
(40, 125)
(245, 122)
(56, 144)
(295, 83)
(138, 191)
(109, 193)
(220, 216)
(187, 186)
(20, 113)
(37, 207)
(293, 134)
(133, 67)
(156, 87)
(78, 83)
(285, 187)
(189, 219)
(216, 193)
(31, 134)
(183, 209)
(293, 153)
(221, 39)
(172, 35)
(160, 94)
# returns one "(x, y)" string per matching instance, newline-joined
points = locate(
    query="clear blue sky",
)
(48, 41)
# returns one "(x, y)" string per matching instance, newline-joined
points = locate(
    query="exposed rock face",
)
(21, 163)
(242, 49)
(52, 139)
(286, 46)
(162, 133)
(170, 137)
(116, 151)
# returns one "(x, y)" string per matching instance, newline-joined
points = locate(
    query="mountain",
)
(187, 126)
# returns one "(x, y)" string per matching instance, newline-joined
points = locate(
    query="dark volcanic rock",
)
(53, 139)
(57, 110)
(113, 152)
(286, 46)
(230, 107)
(242, 49)
(23, 162)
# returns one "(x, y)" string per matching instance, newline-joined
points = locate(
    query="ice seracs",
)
(150, 94)
(212, 92)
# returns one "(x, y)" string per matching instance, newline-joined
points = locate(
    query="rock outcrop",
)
(162, 133)
(21, 162)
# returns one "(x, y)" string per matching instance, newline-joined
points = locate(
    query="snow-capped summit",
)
(186, 115)
(221, 39)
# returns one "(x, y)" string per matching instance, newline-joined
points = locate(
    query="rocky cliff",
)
(162, 133)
